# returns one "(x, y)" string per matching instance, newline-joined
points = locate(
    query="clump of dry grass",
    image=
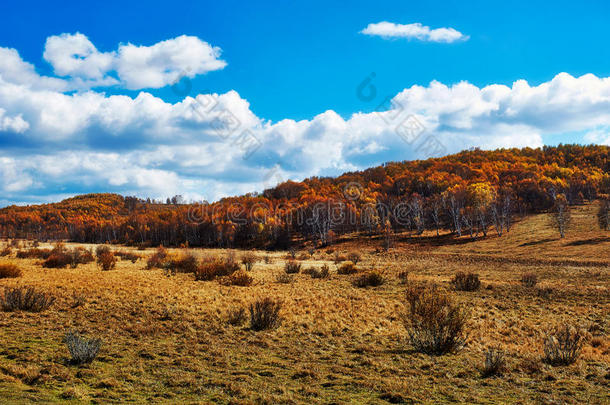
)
(466, 281)
(495, 362)
(130, 256)
(563, 347)
(106, 260)
(323, 272)
(7, 251)
(347, 268)
(25, 299)
(284, 278)
(529, 279)
(339, 258)
(10, 270)
(265, 314)
(403, 277)
(435, 323)
(58, 258)
(236, 316)
(157, 259)
(371, 279)
(209, 269)
(78, 256)
(544, 291)
(354, 257)
(34, 253)
(248, 259)
(239, 278)
(82, 350)
(183, 263)
(292, 267)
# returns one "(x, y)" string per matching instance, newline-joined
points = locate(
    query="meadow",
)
(169, 338)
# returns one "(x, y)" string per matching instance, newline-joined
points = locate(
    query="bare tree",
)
(561, 215)
(501, 211)
(417, 213)
(435, 204)
(455, 205)
(603, 214)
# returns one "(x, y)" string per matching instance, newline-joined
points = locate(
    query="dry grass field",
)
(166, 337)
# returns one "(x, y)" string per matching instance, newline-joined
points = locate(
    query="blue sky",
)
(289, 72)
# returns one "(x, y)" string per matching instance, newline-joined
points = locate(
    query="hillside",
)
(170, 338)
(469, 193)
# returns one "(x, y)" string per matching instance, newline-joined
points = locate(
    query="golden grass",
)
(167, 339)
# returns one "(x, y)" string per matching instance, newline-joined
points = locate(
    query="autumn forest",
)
(469, 194)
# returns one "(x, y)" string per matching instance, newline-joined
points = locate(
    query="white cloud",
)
(14, 124)
(133, 66)
(599, 136)
(417, 31)
(74, 55)
(15, 70)
(163, 63)
(55, 143)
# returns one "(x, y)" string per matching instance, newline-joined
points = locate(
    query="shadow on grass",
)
(538, 242)
(592, 241)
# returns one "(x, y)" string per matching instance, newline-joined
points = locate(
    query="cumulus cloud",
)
(58, 143)
(161, 64)
(135, 67)
(75, 55)
(416, 31)
(12, 124)
(15, 70)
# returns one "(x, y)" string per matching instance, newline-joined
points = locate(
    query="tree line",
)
(471, 193)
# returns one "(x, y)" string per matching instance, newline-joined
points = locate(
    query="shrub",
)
(123, 255)
(210, 269)
(466, 281)
(106, 261)
(82, 350)
(495, 362)
(25, 299)
(544, 292)
(78, 256)
(354, 257)
(324, 272)
(563, 347)
(236, 317)
(34, 253)
(7, 251)
(292, 267)
(285, 278)
(372, 279)
(157, 259)
(529, 279)
(185, 263)
(57, 260)
(403, 276)
(292, 253)
(338, 258)
(347, 268)
(265, 314)
(101, 250)
(9, 270)
(435, 323)
(248, 260)
(239, 278)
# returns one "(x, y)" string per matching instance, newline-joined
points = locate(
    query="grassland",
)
(166, 338)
